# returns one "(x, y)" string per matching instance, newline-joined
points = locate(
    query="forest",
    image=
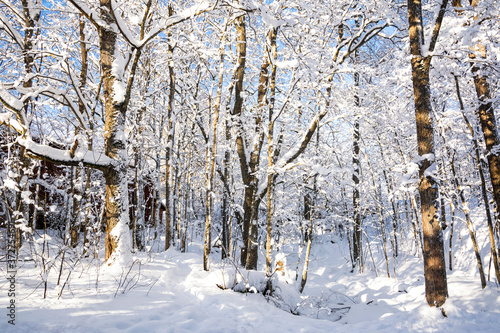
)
(249, 165)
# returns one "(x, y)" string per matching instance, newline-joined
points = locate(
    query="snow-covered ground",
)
(170, 292)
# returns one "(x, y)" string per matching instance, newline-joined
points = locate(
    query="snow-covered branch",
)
(360, 39)
(63, 157)
(11, 31)
(88, 12)
(437, 26)
(285, 162)
(301, 145)
(10, 102)
(166, 23)
(122, 27)
(58, 95)
(6, 119)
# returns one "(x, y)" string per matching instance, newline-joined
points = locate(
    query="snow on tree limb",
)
(300, 146)
(159, 27)
(63, 157)
(359, 39)
(88, 13)
(14, 34)
(60, 96)
(122, 27)
(165, 23)
(9, 101)
(17, 104)
(286, 160)
(6, 119)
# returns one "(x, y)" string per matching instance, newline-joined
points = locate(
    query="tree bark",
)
(240, 143)
(308, 250)
(226, 197)
(117, 238)
(170, 145)
(211, 152)
(470, 226)
(270, 150)
(484, 191)
(436, 288)
(489, 127)
(357, 228)
(78, 186)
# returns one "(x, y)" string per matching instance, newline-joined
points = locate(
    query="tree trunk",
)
(470, 226)
(310, 205)
(117, 238)
(211, 152)
(357, 239)
(139, 204)
(486, 115)
(240, 144)
(489, 126)
(452, 225)
(262, 101)
(21, 213)
(81, 107)
(78, 187)
(226, 190)
(226, 199)
(378, 198)
(436, 288)
(465, 209)
(76, 206)
(484, 191)
(170, 145)
(308, 252)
